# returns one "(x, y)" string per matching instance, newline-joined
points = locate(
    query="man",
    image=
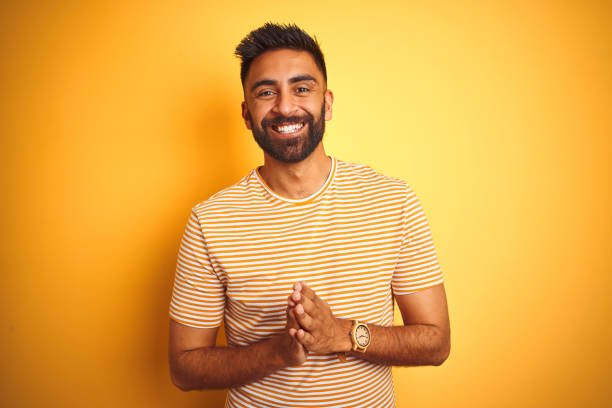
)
(303, 257)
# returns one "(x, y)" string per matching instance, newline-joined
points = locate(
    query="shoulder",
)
(236, 195)
(364, 176)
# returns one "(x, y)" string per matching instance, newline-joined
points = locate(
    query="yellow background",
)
(117, 117)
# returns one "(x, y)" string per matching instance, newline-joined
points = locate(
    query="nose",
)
(285, 104)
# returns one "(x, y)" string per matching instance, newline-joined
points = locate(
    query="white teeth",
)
(289, 128)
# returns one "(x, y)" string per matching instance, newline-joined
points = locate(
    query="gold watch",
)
(360, 337)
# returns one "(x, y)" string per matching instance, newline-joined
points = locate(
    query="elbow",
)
(178, 383)
(178, 377)
(440, 359)
(442, 353)
(184, 383)
(182, 387)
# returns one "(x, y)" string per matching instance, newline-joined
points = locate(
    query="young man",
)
(303, 257)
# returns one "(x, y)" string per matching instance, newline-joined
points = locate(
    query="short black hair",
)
(272, 36)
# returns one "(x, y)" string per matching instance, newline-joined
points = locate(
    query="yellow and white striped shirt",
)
(359, 240)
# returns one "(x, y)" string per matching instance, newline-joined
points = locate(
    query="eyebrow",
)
(292, 80)
(301, 78)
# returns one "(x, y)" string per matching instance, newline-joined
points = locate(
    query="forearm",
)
(409, 345)
(224, 367)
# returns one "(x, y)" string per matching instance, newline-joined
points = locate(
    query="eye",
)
(302, 89)
(265, 93)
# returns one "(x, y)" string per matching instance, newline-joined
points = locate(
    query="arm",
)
(423, 340)
(196, 364)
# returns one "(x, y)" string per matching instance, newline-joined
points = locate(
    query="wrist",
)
(343, 336)
(277, 348)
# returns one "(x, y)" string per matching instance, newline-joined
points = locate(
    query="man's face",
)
(286, 104)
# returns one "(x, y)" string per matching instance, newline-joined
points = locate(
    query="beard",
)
(290, 149)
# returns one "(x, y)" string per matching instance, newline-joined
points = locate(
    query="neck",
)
(297, 180)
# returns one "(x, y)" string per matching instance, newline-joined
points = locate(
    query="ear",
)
(329, 101)
(245, 115)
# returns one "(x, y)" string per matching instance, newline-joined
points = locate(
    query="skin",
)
(282, 97)
(271, 91)
(196, 364)
(423, 340)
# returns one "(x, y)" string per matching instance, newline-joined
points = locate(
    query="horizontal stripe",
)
(359, 240)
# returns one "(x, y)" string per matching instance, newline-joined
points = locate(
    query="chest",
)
(336, 249)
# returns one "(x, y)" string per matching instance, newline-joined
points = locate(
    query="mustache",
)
(278, 120)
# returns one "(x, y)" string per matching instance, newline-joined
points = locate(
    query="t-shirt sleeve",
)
(417, 267)
(198, 295)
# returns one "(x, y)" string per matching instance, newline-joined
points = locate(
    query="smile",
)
(288, 128)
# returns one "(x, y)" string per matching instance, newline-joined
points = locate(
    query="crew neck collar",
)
(304, 200)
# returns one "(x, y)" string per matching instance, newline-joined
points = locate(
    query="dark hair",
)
(273, 36)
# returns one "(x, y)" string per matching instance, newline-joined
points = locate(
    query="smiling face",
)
(286, 104)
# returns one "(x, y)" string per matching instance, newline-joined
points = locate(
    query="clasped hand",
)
(319, 330)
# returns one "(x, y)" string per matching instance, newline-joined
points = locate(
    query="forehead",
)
(281, 65)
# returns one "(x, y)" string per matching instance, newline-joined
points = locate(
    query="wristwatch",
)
(360, 337)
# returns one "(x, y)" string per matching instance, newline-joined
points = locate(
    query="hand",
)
(291, 351)
(319, 330)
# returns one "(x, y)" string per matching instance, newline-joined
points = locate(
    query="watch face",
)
(362, 335)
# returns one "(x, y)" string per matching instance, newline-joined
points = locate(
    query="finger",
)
(297, 286)
(308, 306)
(290, 301)
(305, 338)
(291, 316)
(303, 318)
(309, 293)
(291, 320)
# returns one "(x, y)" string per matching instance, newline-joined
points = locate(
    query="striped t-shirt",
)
(358, 241)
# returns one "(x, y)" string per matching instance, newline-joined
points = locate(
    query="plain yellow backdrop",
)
(118, 116)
